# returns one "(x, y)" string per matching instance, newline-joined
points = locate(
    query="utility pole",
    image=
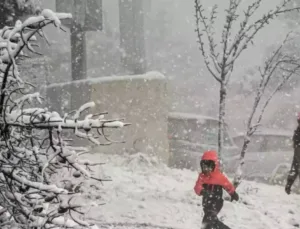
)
(87, 16)
(78, 43)
(78, 53)
(132, 35)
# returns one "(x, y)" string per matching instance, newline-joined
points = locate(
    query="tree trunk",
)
(239, 171)
(78, 53)
(223, 93)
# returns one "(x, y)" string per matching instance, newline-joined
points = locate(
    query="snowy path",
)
(143, 192)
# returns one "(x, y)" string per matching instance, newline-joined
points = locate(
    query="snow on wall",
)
(146, 77)
(140, 99)
(180, 115)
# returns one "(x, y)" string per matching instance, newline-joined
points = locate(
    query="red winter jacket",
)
(211, 186)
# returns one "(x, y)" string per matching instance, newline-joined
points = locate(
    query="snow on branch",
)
(34, 150)
(278, 62)
(211, 59)
(248, 32)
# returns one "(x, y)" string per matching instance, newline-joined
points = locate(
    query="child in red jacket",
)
(210, 185)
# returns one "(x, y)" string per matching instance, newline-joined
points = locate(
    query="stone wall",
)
(141, 99)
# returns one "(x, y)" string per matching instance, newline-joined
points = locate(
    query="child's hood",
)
(212, 156)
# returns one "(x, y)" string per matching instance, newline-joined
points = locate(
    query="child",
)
(295, 168)
(210, 184)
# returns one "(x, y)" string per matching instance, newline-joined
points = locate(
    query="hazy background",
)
(171, 48)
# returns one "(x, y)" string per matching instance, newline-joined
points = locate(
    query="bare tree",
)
(220, 59)
(33, 149)
(279, 62)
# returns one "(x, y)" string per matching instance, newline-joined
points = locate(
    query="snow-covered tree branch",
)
(220, 59)
(279, 62)
(33, 149)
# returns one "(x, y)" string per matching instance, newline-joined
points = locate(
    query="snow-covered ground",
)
(144, 192)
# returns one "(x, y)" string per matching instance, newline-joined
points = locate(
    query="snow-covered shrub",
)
(33, 150)
(10, 10)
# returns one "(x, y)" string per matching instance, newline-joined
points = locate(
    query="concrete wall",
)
(36, 71)
(141, 99)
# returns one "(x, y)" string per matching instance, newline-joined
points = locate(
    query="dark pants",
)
(210, 219)
(295, 168)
